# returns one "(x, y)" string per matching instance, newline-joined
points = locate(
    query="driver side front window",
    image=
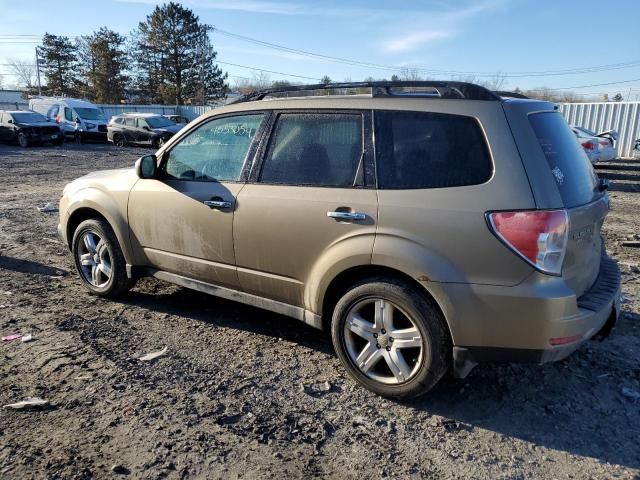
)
(215, 151)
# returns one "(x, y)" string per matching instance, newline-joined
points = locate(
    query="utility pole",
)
(38, 72)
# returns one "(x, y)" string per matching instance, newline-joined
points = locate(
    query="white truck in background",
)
(79, 119)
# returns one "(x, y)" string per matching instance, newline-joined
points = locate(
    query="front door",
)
(311, 205)
(183, 220)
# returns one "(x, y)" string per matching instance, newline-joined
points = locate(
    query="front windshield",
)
(159, 122)
(28, 117)
(90, 114)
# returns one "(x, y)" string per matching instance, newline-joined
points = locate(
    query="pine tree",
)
(174, 58)
(60, 65)
(103, 59)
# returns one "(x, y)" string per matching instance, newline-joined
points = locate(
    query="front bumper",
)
(527, 339)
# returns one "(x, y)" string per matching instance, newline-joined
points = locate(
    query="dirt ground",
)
(243, 393)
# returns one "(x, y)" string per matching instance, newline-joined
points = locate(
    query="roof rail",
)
(503, 93)
(442, 89)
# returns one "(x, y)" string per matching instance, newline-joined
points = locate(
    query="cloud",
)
(411, 41)
(274, 8)
(429, 27)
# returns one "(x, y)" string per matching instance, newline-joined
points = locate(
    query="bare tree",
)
(410, 74)
(24, 71)
(261, 80)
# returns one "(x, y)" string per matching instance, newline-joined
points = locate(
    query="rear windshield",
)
(567, 160)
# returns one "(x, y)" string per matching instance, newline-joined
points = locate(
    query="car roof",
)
(138, 115)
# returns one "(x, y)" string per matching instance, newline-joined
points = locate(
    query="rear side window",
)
(130, 122)
(322, 149)
(567, 160)
(429, 150)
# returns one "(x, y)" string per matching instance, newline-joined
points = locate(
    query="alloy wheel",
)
(383, 341)
(94, 259)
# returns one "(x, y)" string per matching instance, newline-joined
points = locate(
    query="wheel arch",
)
(99, 208)
(347, 278)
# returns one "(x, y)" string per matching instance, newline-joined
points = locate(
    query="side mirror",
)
(10, 121)
(146, 128)
(146, 166)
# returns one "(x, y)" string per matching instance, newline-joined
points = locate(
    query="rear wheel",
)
(23, 141)
(391, 338)
(99, 259)
(119, 140)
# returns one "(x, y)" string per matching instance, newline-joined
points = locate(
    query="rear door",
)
(562, 176)
(312, 197)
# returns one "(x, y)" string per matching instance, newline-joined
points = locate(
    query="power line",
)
(395, 68)
(572, 71)
(267, 71)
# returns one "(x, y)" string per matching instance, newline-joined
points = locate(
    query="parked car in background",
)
(28, 128)
(426, 228)
(79, 119)
(180, 119)
(605, 141)
(591, 148)
(141, 129)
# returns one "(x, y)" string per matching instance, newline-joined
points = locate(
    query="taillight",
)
(538, 236)
(589, 146)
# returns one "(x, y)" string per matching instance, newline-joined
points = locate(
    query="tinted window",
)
(314, 149)
(215, 151)
(130, 122)
(68, 114)
(90, 114)
(159, 122)
(567, 160)
(429, 150)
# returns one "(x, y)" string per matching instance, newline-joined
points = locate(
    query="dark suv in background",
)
(28, 128)
(141, 129)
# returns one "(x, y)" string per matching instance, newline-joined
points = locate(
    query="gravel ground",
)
(243, 393)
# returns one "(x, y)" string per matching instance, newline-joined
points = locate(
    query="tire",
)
(119, 140)
(58, 143)
(403, 367)
(157, 142)
(23, 141)
(92, 257)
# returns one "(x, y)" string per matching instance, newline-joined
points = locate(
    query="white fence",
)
(621, 116)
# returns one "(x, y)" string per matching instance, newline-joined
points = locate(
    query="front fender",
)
(114, 210)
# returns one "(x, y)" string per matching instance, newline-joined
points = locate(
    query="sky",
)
(530, 43)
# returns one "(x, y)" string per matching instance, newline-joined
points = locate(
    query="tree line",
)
(167, 59)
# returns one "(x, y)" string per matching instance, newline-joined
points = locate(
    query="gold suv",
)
(426, 225)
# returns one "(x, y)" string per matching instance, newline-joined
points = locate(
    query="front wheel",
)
(99, 259)
(23, 141)
(391, 338)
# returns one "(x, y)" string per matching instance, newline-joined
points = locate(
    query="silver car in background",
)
(604, 142)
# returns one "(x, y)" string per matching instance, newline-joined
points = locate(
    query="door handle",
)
(347, 215)
(218, 203)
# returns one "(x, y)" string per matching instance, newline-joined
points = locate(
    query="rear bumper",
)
(523, 324)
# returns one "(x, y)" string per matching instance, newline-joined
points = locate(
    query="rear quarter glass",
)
(569, 164)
